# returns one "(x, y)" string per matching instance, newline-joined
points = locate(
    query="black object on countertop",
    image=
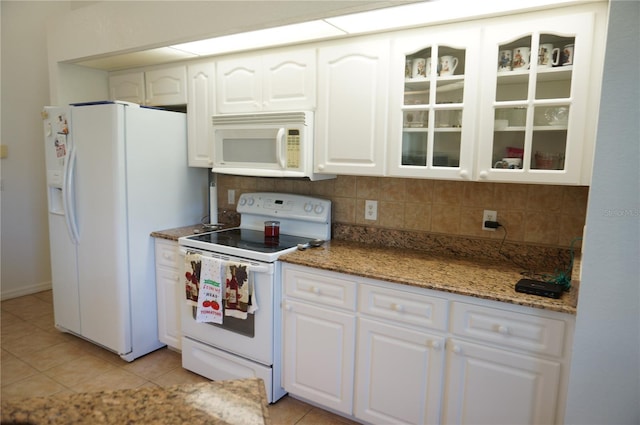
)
(537, 287)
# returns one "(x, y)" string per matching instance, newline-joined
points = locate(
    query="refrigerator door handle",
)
(68, 197)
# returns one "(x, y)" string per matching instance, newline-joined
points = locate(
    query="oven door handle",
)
(251, 267)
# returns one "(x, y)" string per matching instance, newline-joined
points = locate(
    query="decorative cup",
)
(510, 163)
(548, 56)
(448, 65)
(419, 68)
(504, 60)
(521, 57)
(567, 55)
(408, 68)
(428, 66)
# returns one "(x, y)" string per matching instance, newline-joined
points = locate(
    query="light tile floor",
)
(38, 360)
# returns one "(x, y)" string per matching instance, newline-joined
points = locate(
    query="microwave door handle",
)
(280, 148)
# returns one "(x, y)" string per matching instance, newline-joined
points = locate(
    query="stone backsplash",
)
(435, 211)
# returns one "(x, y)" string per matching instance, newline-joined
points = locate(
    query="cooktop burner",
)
(251, 240)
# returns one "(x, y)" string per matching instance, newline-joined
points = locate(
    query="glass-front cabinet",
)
(534, 100)
(434, 77)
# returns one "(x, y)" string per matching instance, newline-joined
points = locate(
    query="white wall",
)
(604, 386)
(25, 90)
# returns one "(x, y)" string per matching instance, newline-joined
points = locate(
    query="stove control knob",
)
(242, 201)
(318, 209)
(250, 201)
(308, 207)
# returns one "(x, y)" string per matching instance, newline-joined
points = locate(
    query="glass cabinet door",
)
(535, 99)
(429, 142)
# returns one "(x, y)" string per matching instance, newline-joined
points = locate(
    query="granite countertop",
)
(174, 234)
(236, 402)
(491, 280)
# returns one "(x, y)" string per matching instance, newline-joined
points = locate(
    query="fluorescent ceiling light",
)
(287, 34)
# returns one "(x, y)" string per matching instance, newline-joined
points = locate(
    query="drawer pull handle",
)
(315, 290)
(503, 330)
(398, 307)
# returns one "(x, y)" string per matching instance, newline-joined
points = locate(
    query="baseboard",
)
(24, 290)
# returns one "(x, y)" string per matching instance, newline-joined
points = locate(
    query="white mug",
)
(419, 68)
(521, 57)
(511, 163)
(548, 56)
(567, 55)
(504, 60)
(448, 65)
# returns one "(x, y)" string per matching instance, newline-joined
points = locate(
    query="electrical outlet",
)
(231, 196)
(489, 215)
(370, 210)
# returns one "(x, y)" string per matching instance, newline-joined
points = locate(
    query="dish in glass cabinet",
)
(557, 116)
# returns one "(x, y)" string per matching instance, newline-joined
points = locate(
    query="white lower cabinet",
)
(319, 355)
(386, 353)
(398, 375)
(487, 385)
(169, 292)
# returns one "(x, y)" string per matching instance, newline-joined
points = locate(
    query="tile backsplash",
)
(531, 214)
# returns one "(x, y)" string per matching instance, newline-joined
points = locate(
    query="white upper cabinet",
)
(351, 120)
(201, 93)
(284, 80)
(166, 86)
(433, 98)
(128, 87)
(154, 87)
(535, 124)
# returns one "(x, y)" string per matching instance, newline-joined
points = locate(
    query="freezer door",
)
(64, 266)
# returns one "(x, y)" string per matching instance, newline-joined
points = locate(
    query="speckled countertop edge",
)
(234, 402)
(475, 278)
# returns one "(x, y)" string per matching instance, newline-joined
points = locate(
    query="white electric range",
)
(251, 347)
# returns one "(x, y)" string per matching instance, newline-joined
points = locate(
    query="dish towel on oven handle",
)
(192, 266)
(240, 298)
(211, 291)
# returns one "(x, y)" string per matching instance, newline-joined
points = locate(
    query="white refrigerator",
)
(115, 173)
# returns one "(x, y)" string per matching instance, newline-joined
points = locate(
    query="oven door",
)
(251, 338)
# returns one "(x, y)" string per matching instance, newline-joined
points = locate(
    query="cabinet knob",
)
(436, 345)
(457, 349)
(315, 290)
(398, 307)
(504, 330)
(464, 174)
(483, 174)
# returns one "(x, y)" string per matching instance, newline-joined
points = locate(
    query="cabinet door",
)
(289, 80)
(352, 108)
(434, 76)
(318, 355)
(169, 292)
(492, 386)
(239, 85)
(534, 105)
(201, 89)
(166, 86)
(399, 374)
(127, 87)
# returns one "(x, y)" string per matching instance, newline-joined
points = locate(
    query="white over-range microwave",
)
(268, 144)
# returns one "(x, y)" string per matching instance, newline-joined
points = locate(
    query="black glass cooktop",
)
(252, 240)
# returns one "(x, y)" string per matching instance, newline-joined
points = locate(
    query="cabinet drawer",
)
(404, 307)
(167, 254)
(322, 288)
(522, 331)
